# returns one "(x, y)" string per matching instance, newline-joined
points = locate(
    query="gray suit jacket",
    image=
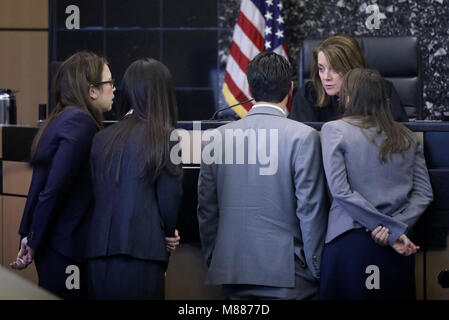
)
(252, 224)
(367, 192)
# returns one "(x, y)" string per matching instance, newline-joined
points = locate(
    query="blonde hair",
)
(343, 54)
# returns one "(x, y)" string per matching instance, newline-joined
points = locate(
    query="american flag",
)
(260, 27)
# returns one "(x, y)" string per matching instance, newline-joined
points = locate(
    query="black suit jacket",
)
(304, 107)
(60, 195)
(134, 215)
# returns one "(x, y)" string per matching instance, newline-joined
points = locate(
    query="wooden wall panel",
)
(436, 260)
(16, 177)
(189, 284)
(24, 67)
(28, 14)
(419, 275)
(12, 215)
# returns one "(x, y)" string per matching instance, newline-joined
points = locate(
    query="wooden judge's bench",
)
(187, 270)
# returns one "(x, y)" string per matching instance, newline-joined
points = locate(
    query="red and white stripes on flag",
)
(260, 27)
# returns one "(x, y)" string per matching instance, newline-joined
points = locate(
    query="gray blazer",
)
(366, 192)
(252, 225)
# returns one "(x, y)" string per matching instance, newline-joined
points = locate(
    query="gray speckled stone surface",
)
(426, 19)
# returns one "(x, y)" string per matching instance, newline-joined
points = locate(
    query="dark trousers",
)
(306, 288)
(122, 277)
(51, 268)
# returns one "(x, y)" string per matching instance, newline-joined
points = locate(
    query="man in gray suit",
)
(262, 206)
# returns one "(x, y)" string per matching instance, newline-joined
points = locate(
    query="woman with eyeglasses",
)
(137, 190)
(317, 100)
(54, 221)
(378, 178)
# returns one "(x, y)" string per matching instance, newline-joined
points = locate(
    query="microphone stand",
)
(222, 109)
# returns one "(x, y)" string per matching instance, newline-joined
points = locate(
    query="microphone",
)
(226, 108)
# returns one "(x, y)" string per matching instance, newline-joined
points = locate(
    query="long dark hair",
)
(363, 97)
(343, 53)
(72, 83)
(147, 88)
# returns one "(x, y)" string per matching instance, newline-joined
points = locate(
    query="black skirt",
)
(354, 267)
(122, 277)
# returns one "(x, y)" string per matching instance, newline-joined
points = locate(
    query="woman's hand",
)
(405, 246)
(380, 236)
(24, 257)
(172, 242)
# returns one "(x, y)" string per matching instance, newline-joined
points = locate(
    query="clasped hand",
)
(172, 242)
(24, 257)
(402, 245)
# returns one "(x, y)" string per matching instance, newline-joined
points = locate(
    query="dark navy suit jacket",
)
(134, 215)
(60, 196)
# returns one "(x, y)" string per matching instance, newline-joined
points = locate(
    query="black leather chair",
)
(396, 58)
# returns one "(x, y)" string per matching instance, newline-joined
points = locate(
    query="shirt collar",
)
(271, 106)
(130, 112)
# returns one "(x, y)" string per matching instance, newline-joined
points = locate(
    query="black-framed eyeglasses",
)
(111, 82)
